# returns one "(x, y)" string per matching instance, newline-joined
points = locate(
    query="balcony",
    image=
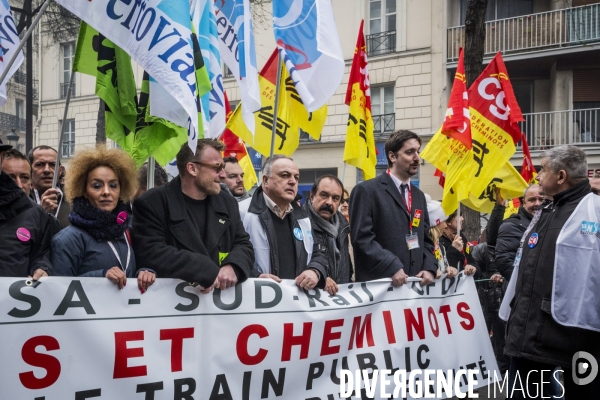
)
(548, 129)
(9, 121)
(64, 89)
(384, 123)
(559, 29)
(381, 43)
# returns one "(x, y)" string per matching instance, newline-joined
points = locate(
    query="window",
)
(382, 27)
(19, 109)
(500, 9)
(382, 109)
(68, 142)
(68, 53)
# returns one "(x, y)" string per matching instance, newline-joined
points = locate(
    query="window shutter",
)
(585, 85)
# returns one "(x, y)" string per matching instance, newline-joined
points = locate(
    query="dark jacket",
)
(77, 253)
(342, 272)
(455, 256)
(62, 218)
(259, 221)
(532, 333)
(379, 225)
(20, 257)
(166, 240)
(509, 237)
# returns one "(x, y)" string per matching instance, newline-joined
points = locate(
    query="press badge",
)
(412, 241)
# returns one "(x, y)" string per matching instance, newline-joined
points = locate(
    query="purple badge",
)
(23, 234)
(121, 218)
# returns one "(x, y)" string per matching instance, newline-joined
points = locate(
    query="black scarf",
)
(102, 225)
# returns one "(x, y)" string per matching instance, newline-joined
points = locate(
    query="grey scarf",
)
(331, 228)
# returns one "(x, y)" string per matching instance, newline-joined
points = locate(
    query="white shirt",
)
(398, 182)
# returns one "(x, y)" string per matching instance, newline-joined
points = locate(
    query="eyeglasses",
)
(217, 167)
(343, 201)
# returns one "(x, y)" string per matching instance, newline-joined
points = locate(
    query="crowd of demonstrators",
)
(437, 223)
(330, 229)
(280, 229)
(457, 248)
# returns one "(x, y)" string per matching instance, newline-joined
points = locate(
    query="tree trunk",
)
(474, 48)
(101, 124)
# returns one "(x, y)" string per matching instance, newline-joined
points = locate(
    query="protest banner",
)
(9, 41)
(82, 338)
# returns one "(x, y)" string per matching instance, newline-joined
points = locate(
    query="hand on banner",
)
(209, 289)
(38, 274)
(499, 199)
(117, 275)
(470, 270)
(457, 243)
(270, 276)
(145, 280)
(451, 272)
(330, 286)
(399, 278)
(497, 278)
(307, 280)
(426, 277)
(226, 277)
(49, 200)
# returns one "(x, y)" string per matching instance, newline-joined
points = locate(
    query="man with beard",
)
(234, 179)
(330, 228)
(43, 166)
(390, 221)
(189, 229)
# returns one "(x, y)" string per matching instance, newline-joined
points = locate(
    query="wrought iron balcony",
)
(531, 33)
(9, 121)
(548, 129)
(384, 123)
(381, 43)
(64, 89)
(20, 77)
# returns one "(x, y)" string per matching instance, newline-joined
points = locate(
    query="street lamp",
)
(12, 138)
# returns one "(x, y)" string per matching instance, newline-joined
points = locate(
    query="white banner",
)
(9, 41)
(84, 339)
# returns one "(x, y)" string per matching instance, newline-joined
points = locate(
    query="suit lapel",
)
(394, 191)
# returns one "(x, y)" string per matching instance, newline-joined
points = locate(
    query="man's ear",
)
(191, 169)
(562, 176)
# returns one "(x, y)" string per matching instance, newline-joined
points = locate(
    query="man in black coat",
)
(330, 229)
(189, 229)
(534, 340)
(390, 221)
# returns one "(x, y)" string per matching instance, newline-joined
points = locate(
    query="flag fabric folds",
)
(291, 118)
(236, 43)
(528, 171)
(234, 146)
(157, 36)
(359, 150)
(9, 41)
(457, 122)
(306, 34)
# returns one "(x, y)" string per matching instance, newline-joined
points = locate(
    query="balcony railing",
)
(548, 129)
(9, 121)
(384, 123)
(20, 77)
(381, 43)
(64, 89)
(535, 32)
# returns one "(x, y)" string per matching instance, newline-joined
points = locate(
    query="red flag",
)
(234, 146)
(457, 122)
(528, 171)
(442, 177)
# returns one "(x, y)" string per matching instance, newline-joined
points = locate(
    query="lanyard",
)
(117, 254)
(39, 201)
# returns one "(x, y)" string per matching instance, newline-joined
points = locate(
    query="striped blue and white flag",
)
(9, 41)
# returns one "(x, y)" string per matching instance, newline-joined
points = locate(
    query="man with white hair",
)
(555, 313)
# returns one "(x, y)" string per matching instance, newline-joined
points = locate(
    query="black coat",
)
(22, 258)
(166, 240)
(509, 238)
(456, 256)
(379, 223)
(532, 333)
(341, 273)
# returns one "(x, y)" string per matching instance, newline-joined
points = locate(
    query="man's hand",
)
(451, 272)
(38, 274)
(499, 199)
(470, 270)
(270, 276)
(210, 288)
(426, 277)
(49, 200)
(399, 278)
(226, 277)
(145, 280)
(307, 280)
(496, 278)
(117, 275)
(330, 286)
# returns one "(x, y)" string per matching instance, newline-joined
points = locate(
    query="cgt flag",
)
(307, 37)
(456, 124)
(9, 41)
(528, 171)
(359, 150)
(291, 116)
(234, 146)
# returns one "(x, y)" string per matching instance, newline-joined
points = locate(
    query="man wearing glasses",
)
(189, 229)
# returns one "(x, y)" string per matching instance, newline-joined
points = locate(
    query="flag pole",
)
(23, 41)
(276, 109)
(151, 167)
(343, 172)
(458, 227)
(62, 129)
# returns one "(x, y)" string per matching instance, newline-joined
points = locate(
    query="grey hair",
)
(529, 187)
(569, 158)
(266, 170)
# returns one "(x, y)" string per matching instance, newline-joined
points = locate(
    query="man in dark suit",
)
(389, 219)
(191, 230)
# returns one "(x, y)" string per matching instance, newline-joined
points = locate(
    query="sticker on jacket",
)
(222, 256)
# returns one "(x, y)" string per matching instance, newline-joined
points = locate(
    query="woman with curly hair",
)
(98, 243)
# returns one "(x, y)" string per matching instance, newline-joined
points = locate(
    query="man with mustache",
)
(390, 222)
(330, 228)
(280, 231)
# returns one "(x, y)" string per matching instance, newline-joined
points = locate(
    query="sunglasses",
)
(344, 201)
(217, 167)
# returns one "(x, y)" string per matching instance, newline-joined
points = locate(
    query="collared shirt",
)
(398, 182)
(275, 208)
